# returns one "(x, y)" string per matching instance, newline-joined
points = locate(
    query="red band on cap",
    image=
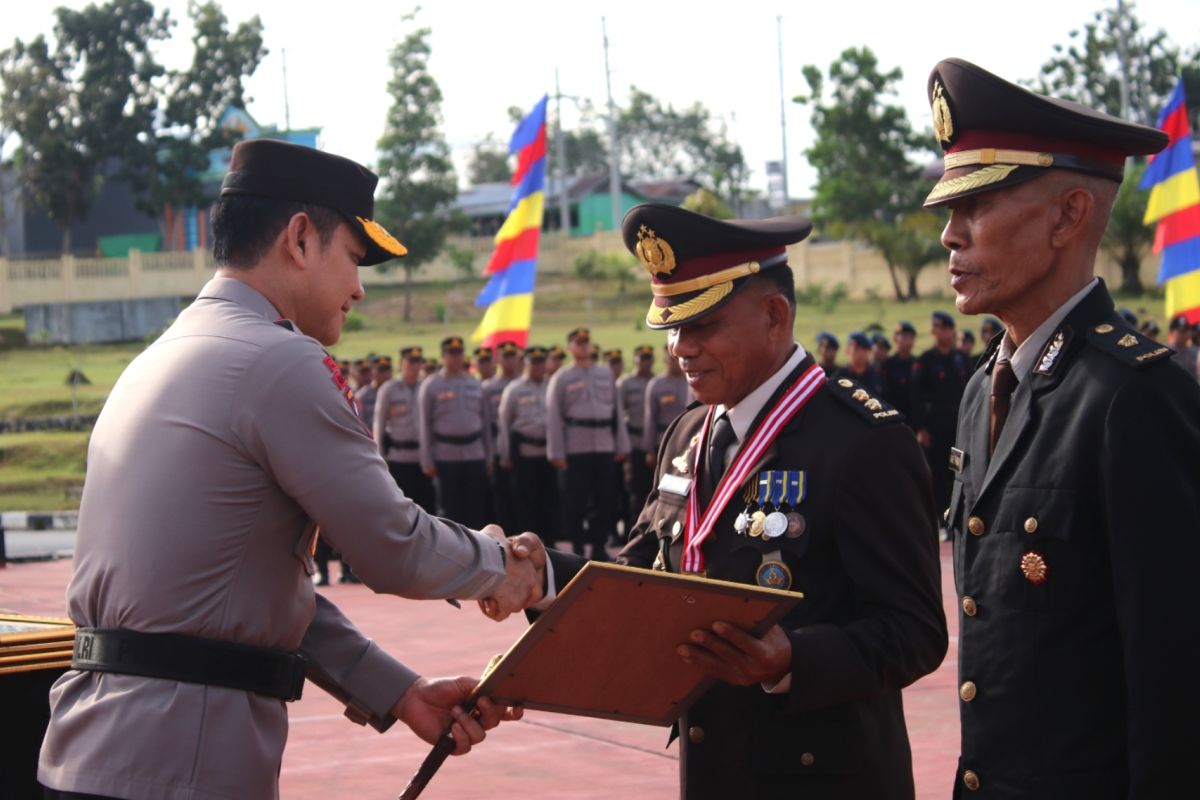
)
(975, 139)
(706, 265)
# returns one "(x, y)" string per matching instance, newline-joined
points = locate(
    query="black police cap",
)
(292, 172)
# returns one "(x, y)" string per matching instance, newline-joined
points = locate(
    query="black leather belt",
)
(392, 443)
(589, 423)
(470, 438)
(191, 659)
(533, 441)
(636, 431)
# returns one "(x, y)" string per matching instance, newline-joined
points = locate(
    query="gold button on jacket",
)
(695, 734)
(969, 606)
(975, 526)
(968, 691)
(1031, 525)
(971, 780)
(806, 759)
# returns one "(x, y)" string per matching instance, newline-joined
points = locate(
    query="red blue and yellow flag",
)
(1175, 204)
(508, 295)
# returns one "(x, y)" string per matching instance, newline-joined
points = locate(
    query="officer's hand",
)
(651, 460)
(431, 704)
(430, 472)
(527, 546)
(619, 457)
(505, 463)
(923, 438)
(524, 577)
(558, 463)
(730, 654)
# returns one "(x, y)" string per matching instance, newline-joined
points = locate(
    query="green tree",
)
(84, 110)
(702, 201)
(868, 185)
(489, 162)
(657, 140)
(415, 168)
(1127, 239)
(195, 100)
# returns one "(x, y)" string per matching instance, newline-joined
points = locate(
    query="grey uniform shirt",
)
(365, 397)
(523, 411)
(219, 450)
(493, 388)
(666, 398)
(584, 394)
(632, 389)
(397, 421)
(453, 407)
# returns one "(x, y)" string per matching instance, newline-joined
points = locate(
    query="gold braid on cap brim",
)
(666, 315)
(973, 180)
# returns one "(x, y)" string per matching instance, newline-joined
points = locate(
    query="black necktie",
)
(719, 439)
(1004, 382)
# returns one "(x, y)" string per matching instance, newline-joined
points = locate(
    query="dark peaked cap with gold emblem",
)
(996, 134)
(697, 263)
(286, 171)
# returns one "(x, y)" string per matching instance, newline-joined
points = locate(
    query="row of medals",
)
(756, 521)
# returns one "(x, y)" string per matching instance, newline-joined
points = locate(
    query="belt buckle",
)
(297, 668)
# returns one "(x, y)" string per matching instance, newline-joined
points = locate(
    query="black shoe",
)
(323, 582)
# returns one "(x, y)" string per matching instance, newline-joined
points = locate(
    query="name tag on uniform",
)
(958, 460)
(675, 484)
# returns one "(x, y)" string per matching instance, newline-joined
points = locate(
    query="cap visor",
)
(967, 181)
(672, 311)
(381, 245)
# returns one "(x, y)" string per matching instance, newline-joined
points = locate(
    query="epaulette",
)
(1127, 345)
(871, 408)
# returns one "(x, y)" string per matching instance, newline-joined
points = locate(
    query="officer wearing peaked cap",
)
(522, 447)
(636, 474)
(502, 508)
(226, 444)
(397, 427)
(1072, 559)
(812, 709)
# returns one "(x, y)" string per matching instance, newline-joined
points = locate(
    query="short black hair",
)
(245, 226)
(781, 279)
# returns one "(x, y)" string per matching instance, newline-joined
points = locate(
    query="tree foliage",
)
(489, 163)
(868, 185)
(418, 179)
(85, 108)
(1127, 239)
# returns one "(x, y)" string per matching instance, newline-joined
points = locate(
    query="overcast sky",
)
(488, 56)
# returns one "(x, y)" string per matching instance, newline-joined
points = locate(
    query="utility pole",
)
(1123, 56)
(560, 155)
(287, 112)
(614, 175)
(782, 109)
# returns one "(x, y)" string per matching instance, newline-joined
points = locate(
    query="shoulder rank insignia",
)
(1127, 345)
(861, 400)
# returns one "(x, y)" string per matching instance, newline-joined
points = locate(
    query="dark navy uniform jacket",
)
(1076, 548)
(871, 622)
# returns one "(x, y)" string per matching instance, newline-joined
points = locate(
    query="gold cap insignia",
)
(943, 123)
(1128, 340)
(654, 253)
(1034, 568)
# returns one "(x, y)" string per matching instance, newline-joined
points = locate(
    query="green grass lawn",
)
(43, 471)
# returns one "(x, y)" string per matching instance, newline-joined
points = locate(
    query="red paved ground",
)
(545, 755)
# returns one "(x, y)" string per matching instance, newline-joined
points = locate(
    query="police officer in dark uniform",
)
(859, 366)
(897, 369)
(1074, 557)
(988, 330)
(938, 379)
(881, 348)
(827, 350)
(845, 515)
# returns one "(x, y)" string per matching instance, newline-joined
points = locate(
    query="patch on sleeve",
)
(340, 382)
(867, 405)
(1127, 345)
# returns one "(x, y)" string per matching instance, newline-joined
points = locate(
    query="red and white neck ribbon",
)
(697, 528)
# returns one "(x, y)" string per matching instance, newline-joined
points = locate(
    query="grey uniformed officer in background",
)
(220, 450)
(456, 444)
(583, 439)
(381, 373)
(397, 427)
(667, 395)
(508, 355)
(523, 449)
(632, 388)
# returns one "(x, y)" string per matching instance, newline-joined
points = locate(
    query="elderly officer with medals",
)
(782, 477)
(220, 451)
(1071, 557)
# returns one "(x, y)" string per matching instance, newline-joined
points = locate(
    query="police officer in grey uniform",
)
(397, 427)
(583, 439)
(220, 450)
(632, 388)
(456, 445)
(508, 354)
(381, 373)
(522, 447)
(667, 395)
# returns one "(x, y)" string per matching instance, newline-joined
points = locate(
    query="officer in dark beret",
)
(227, 445)
(881, 348)
(938, 378)
(897, 369)
(1073, 561)
(858, 365)
(1179, 337)
(966, 344)
(827, 350)
(988, 329)
(774, 455)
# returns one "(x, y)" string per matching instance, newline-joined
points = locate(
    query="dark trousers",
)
(504, 507)
(462, 490)
(589, 485)
(535, 492)
(415, 484)
(637, 485)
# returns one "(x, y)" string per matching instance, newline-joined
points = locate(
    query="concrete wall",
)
(99, 321)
